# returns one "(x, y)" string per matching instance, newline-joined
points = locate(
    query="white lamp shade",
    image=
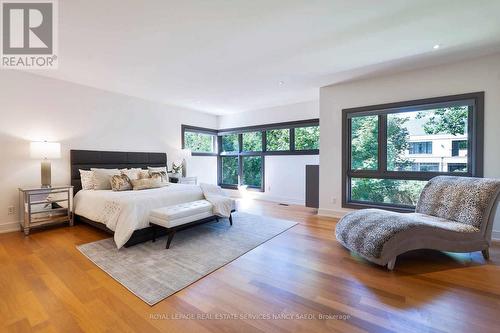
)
(42, 150)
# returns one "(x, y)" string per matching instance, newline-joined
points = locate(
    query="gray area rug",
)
(153, 273)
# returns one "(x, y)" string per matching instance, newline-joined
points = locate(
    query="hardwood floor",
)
(46, 285)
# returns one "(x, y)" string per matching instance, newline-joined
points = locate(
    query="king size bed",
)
(125, 213)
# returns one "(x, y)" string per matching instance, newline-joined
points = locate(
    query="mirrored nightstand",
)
(45, 206)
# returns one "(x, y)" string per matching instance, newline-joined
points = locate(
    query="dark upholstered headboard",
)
(86, 159)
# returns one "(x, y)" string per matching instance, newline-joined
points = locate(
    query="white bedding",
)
(127, 211)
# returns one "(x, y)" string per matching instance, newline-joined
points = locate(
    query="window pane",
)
(252, 141)
(364, 143)
(307, 138)
(389, 191)
(278, 139)
(199, 142)
(230, 170)
(429, 137)
(252, 171)
(230, 143)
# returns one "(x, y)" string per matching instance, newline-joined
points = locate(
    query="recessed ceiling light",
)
(281, 83)
(437, 46)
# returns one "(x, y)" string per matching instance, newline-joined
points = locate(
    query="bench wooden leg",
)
(169, 240)
(230, 219)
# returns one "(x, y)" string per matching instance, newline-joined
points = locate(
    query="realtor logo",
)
(29, 34)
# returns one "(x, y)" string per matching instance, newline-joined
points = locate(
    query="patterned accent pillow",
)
(87, 178)
(121, 183)
(161, 176)
(145, 183)
(144, 174)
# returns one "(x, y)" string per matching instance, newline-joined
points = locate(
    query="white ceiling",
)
(229, 56)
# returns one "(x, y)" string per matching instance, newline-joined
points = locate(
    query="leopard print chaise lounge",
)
(453, 214)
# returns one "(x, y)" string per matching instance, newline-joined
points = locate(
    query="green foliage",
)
(252, 170)
(230, 143)
(307, 138)
(402, 192)
(397, 142)
(278, 139)
(252, 141)
(364, 144)
(230, 170)
(199, 142)
(452, 120)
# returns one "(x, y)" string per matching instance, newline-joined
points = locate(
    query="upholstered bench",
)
(181, 216)
(453, 214)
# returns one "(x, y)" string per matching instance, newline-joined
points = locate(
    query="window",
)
(306, 138)
(248, 146)
(230, 143)
(420, 147)
(390, 151)
(252, 171)
(252, 141)
(364, 144)
(457, 167)
(200, 141)
(229, 170)
(278, 139)
(459, 148)
(425, 167)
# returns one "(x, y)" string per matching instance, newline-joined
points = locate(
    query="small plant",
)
(176, 168)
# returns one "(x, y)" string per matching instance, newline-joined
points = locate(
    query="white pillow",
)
(102, 178)
(132, 173)
(87, 179)
(157, 169)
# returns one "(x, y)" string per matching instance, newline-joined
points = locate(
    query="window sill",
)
(364, 205)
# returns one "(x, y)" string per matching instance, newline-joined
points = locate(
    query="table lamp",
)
(45, 151)
(185, 153)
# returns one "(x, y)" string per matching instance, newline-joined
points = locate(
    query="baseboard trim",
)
(264, 196)
(331, 213)
(9, 227)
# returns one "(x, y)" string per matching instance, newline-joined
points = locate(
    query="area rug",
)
(153, 273)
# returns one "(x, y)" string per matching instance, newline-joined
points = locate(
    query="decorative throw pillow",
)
(87, 178)
(143, 174)
(145, 183)
(102, 178)
(133, 173)
(120, 183)
(161, 176)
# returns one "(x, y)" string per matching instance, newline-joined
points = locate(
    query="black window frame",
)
(475, 138)
(263, 129)
(240, 154)
(195, 129)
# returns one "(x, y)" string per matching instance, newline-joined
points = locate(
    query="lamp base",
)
(46, 174)
(184, 168)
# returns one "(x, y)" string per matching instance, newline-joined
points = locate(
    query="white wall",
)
(284, 175)
(278, 114)
(38, 108)
(481, 74)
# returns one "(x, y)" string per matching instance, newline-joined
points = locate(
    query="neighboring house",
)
(440, 152)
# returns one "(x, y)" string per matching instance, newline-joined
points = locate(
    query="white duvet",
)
(127, 211)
